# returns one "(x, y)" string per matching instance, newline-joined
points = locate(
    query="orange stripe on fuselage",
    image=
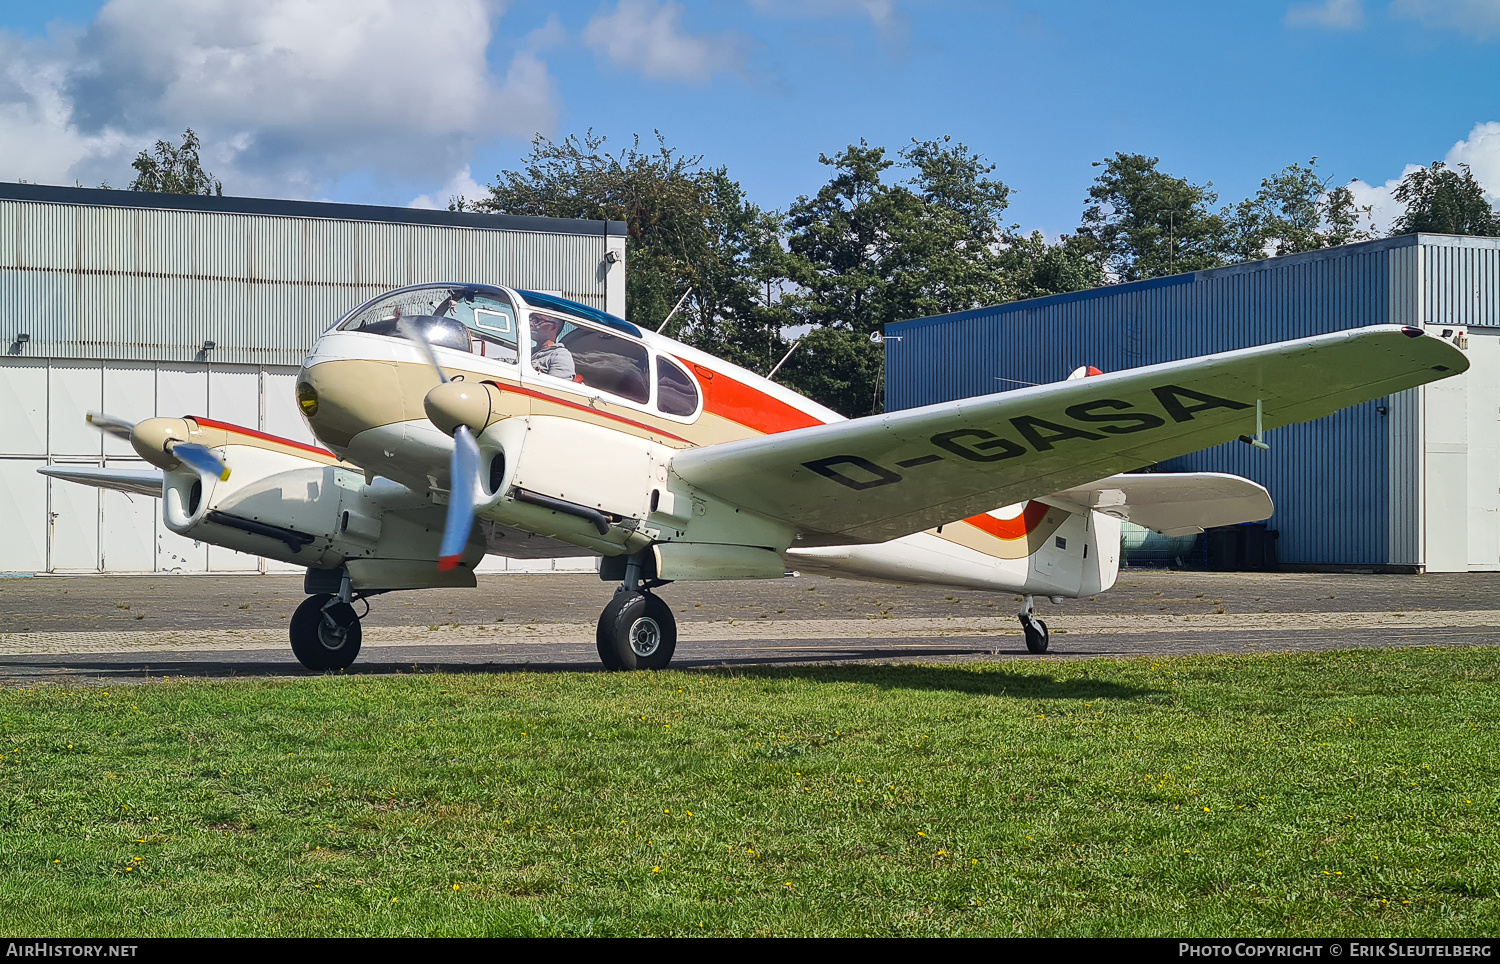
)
(1011, 529)
(728, 398)
(517, 389)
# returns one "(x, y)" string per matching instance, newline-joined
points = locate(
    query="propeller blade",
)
(110, 425)
(205, 461)
(414, 334)
(463, 474)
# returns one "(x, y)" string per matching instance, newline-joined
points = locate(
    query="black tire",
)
(636, 631)
(315, 643)
(1037, 636)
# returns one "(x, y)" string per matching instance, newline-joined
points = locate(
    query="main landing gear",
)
(325, 629)
(636, 629)
(1035, 630)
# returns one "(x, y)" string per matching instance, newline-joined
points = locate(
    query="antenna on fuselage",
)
(772, 373)
(661, 329)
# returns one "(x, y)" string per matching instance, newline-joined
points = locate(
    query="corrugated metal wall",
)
(1332, 479)
(101, 282)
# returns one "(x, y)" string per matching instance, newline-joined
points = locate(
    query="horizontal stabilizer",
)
(1174, 504)
(133, 481)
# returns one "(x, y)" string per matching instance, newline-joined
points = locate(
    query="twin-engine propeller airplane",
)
(462, 419)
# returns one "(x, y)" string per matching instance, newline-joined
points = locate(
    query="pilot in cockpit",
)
(548, 356)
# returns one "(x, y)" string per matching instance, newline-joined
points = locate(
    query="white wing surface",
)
(1172, 503)
(877, 478)
(133, 481)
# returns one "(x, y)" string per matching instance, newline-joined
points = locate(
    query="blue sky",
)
(399, 103)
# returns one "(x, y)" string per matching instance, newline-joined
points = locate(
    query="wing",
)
(1174, 504)
(877, 478)
(133, 481)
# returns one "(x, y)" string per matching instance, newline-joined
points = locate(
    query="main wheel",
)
(636, 631)
(1036, 633)
(324, 636)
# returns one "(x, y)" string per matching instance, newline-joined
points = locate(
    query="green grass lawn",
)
(1327, 794)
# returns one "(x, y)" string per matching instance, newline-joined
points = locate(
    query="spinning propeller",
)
(463, 466)
(198, 456)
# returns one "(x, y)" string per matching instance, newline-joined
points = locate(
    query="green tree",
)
(865, 252)
(687, 227)
(1442, 200)
(1034, 269)
(1295, 211)
(1145, 224)
(174, 170)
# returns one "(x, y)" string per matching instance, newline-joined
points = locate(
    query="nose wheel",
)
(636, 631)
(325, 633)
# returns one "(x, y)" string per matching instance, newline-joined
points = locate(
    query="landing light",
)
(307, 399)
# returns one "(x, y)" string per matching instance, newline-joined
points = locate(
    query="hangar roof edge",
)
(1131, 287)
(105, 197)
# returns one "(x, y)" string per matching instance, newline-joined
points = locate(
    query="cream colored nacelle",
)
(614, 493)
(304, 511)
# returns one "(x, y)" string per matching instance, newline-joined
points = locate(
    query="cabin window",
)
(675, 392)
(592, 357)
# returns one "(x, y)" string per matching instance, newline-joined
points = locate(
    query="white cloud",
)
(37, 142)
(1384, 208)
(1328, 15)
(461, 185)
(1481, 151)
(287, 95)
(1477, 18)
(648, 36)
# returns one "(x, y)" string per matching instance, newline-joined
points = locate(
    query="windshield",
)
(449, 315)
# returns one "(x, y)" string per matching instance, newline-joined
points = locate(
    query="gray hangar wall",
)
(1411, 481)
(156, 304)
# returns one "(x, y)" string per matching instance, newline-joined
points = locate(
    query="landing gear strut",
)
(636, 629)
(325, 629)
(1034, 629)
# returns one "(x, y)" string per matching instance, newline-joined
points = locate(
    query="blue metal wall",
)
(1329, 478)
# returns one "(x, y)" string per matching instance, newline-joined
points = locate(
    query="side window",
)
(496, 331)
(610, 364)
(675, 392)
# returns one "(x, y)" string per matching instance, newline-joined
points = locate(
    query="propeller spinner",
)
(161, 439)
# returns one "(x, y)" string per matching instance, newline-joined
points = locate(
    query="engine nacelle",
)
(312, 514)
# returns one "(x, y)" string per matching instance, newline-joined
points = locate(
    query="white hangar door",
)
(47, 525)
(1483, 389)
(23, 450)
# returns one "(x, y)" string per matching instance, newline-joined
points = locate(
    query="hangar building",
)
(143, 304)
(1411, 481)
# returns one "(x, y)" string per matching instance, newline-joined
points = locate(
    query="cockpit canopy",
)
(602, 352)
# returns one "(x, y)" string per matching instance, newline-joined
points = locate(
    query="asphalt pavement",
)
(122, 628)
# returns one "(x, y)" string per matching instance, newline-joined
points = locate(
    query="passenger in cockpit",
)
(548, 357)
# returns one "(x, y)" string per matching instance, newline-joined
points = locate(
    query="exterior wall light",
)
(209, 346)
(23, 338)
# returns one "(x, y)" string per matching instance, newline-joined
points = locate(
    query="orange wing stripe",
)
(1011, 529)
(242, 430)
(727, 398)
